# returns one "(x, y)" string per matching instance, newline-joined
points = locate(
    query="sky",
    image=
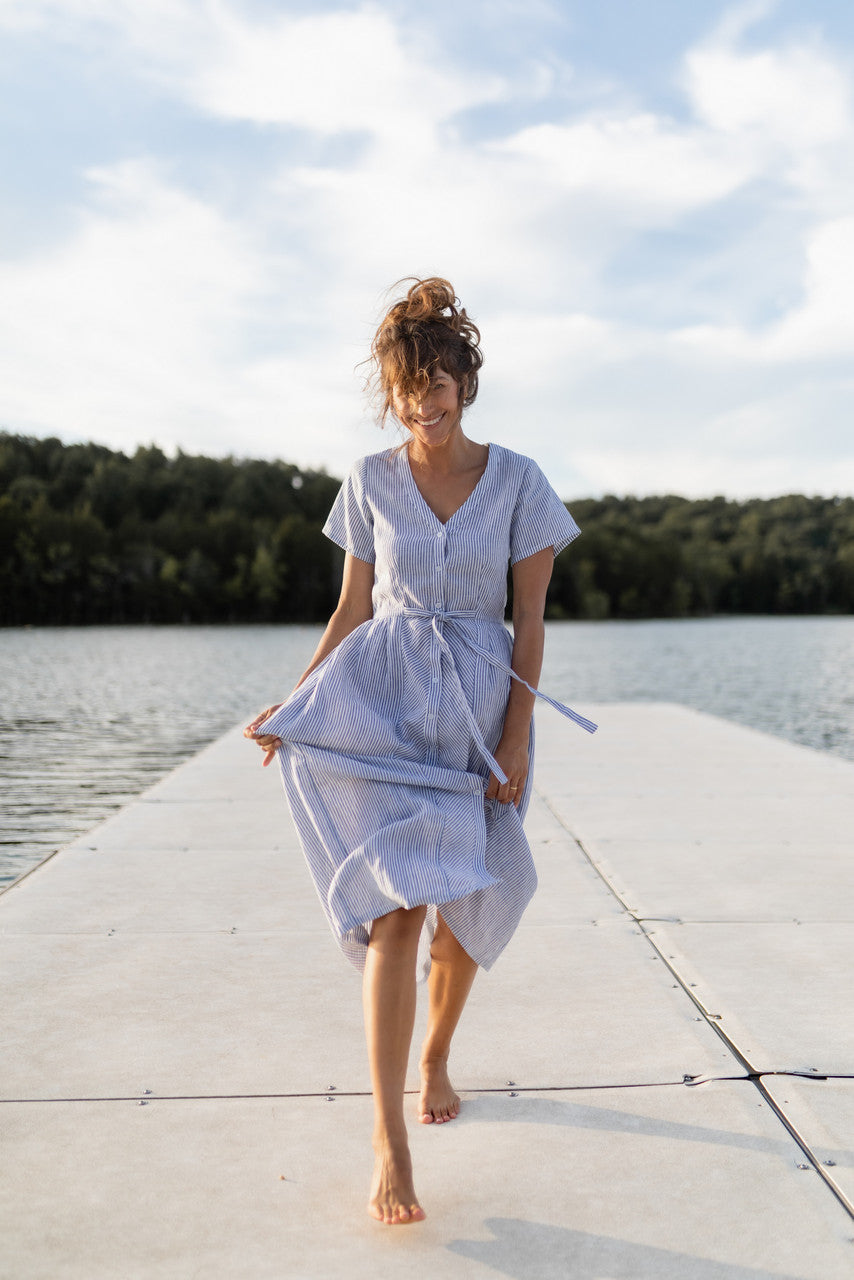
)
(646, 205)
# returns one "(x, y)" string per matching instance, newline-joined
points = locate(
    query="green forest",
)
(91, 535)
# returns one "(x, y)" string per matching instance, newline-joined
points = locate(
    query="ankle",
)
(431, 1059)
(392, 1135)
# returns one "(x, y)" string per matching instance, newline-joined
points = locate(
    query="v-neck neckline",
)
(444, 523)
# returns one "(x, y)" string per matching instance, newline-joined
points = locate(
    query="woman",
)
(405, 748)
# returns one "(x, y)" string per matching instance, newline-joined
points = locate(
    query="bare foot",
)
(393, 1200)
(438, 1101)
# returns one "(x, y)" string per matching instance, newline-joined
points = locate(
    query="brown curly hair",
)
(425, 331)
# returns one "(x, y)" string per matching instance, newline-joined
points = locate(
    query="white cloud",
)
(330, 73)
(126, 321)
(135, 330)
(346, 70)
(824, 326)
(792, 96)
(552, 347)
(637, 166)
(821, 327)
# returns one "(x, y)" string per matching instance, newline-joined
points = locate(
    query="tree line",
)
(91, 535)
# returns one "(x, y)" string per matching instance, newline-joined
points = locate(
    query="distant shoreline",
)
(96, 537)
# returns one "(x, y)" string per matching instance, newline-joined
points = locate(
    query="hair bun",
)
(431, 299)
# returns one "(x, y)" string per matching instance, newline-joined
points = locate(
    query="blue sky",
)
(647, 206)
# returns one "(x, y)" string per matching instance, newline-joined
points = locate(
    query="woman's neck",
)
(455, 453)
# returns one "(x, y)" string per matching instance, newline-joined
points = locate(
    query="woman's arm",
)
(531, 578)
(354, 607)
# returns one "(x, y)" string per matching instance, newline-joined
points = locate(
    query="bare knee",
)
(398, 928)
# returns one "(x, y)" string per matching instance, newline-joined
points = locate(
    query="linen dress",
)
(387, 745)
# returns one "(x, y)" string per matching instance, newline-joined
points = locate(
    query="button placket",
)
(440, 569)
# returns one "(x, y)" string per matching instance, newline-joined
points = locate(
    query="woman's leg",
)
(451, 975)
(389, 1001)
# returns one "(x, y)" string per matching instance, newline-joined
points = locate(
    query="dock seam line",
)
(690, 1082)
(366, 1093)
(752, 1074)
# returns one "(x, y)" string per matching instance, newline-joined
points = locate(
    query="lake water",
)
(92, 716)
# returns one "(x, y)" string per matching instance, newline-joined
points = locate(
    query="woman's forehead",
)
(421, 379)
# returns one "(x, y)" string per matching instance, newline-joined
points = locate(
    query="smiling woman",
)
(405, 749)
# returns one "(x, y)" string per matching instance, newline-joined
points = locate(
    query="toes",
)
(397, 1215)
(411, 1213)
(440, 1115)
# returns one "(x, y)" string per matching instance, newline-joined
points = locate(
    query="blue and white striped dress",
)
(387, 744)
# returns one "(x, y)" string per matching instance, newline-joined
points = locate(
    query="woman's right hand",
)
(266, 741)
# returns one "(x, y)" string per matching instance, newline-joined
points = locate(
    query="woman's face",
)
(434, 414)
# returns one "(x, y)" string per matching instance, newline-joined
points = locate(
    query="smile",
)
(429, 422)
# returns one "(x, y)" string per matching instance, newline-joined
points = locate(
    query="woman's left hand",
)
(266, 741)
(513, 758)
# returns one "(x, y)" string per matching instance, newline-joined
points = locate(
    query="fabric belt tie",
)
(439, 616)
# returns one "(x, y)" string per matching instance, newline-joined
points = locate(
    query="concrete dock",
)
(658, 1075)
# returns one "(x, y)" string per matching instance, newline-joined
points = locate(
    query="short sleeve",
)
(350, 523)
(540, 519)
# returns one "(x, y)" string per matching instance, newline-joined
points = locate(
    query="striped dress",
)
(387, 745)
